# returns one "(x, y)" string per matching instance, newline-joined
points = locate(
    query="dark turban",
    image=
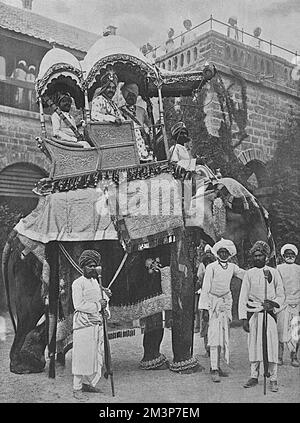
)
(262, 247)
(89, 256)
(179, 129)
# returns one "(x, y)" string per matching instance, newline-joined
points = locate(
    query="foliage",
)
(217, 151)
(285, 175)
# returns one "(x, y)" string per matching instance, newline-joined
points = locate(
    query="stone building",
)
(25, 37)
(271, 89)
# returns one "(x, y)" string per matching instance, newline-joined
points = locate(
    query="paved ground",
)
(135, 385)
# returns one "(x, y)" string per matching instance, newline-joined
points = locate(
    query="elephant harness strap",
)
(79, 270)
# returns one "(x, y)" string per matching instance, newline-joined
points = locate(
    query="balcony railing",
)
(231, 31)
(18, 94)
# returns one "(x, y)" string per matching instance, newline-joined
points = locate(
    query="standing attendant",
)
(30, 77)
(20, 73)
(88, 341)
(216, 303)
(207, 258)
(261, 290)
(290, 310)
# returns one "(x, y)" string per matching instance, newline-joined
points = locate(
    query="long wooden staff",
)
(264, 336)
(107, 354)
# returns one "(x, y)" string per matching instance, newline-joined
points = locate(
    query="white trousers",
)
(255, 370)
(78, 380)
(214, 357)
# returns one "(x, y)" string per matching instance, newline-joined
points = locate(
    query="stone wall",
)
(267, 112)
(18, 129)
(271, 91)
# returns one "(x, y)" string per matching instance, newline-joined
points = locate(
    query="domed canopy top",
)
(128, 62)
(60, 71)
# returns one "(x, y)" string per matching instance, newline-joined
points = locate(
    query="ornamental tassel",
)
(219, 216)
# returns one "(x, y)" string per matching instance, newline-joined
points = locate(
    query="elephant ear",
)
(235, 194)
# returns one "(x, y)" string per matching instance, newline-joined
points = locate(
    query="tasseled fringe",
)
(47, 186)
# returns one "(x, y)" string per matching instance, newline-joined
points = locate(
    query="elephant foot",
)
(25, 368)
(186, 367)
(159, 363)
(28, 362)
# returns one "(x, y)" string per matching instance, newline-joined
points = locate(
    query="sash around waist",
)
(219, 295)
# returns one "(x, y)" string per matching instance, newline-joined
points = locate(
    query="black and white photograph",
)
(149, 204)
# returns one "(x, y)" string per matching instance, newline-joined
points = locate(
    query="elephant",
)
(228, 211)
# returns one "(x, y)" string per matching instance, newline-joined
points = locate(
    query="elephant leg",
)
(183, 305)
(33, 349)
(27, 351)
(153, 335)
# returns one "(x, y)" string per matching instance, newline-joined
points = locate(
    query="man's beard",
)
(290, 260)
(92, 274)
(259, 263)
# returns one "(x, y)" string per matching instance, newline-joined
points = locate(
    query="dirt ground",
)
(138, 386)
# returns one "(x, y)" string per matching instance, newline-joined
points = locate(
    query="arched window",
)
(242, 58)
(268, 67)
(175, 62)
(227, 52)
(188, 57)
(235, 55)
(255, 63)
(169, 65)
(262, 66)
(259, 173)
(163, 65)
(286, 75)
(195, 53)
(181, 59)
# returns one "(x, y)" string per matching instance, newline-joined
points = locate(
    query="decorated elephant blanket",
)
(140, 213)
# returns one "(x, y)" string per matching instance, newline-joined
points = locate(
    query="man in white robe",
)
(88, 345)
(288, 318)
(104, 108)
(180, 152)
(216, 300)
(262, 289)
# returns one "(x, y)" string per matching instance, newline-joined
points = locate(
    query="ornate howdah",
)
(112, 147)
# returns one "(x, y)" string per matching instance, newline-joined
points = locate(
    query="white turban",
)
(289, 247)
(207, 248)
(224, 243)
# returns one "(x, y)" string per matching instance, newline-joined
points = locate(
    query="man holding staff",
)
(289, 313)
(88, 341)
(261, 293)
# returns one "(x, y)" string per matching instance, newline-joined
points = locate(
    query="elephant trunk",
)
(5, 259)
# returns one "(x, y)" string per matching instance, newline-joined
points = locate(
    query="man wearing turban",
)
(253, 302)
(207, 258)
(288, 316)
(139, 117)
(216, 303)
(88, 343)
(103, 108)
(62, 125)
(180, 151)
